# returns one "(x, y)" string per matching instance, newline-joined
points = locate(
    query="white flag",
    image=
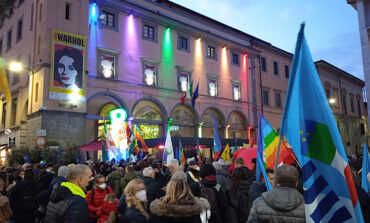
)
(168, 149)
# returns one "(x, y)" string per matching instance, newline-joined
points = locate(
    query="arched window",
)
(149, 117)
(344, 100)
(104, 112)
(184, 121)
(327, 89)
(207, 123)
(236, 126)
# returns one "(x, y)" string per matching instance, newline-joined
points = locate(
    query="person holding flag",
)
(311, 130)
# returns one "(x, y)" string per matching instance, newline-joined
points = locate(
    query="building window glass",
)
(150, 74)
(184, 43)
(1, 47)
(67, 10)
(9, 40)
(276, 70)
(235, 59)
(19, 29)
(359, 106)
(13, 112)
(344, 101)
(149, 32)
(38, 45)
(11, 11)
(37, 92)
(263, 64)
(108, 19)
(211, 52)
(31, 20)
(278, 99)
(20, 2)
(265, 97)
(212, 87)
(3, 116)
(236, 92)
(40, 14)
(286, 71)
(107, 64)
(352, 103)
(184, 81)
(327, 90)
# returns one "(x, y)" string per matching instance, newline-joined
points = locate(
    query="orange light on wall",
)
(224, 56)
(198, 48)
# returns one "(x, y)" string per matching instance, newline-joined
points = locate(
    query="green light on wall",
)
(167, 57)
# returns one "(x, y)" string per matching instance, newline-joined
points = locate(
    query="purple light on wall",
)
(131, 49)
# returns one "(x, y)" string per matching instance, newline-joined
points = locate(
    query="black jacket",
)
(23, 201)
(66, 207)
(221, 206)
(134, 216)
(256, 191)
(153, 190)
(239, 203)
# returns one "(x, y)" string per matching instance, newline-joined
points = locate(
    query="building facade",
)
(363, 10)
(85, 58)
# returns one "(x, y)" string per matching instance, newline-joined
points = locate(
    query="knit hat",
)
(63, 171)
(179, 175)
(207, 170)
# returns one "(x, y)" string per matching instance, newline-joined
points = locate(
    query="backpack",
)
(211, 194)
(93, 192)
(28, 202)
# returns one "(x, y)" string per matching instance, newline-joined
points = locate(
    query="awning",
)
(192, 141)
(93, 146)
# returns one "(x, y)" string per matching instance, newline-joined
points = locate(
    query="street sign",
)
(11, 142)
(41, 132)
(40, 141)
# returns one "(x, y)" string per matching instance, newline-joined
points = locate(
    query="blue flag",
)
(195, 95)
(310, 128)
(25, 156)
(217, 147)
(260, 167)
(365, 183)
(179, 150)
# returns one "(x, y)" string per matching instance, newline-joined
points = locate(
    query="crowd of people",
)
(148, 191)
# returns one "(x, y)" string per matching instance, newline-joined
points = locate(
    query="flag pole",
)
(276, 161)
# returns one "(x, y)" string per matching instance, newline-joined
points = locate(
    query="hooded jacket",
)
(115, 177)
(105, 210)
(281, 204)
(239, 203)
(126, 179)
(178, 213)
(67, 204)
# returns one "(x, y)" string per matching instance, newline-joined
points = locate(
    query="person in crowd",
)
(95, 197)
(129, 175)
(179, 204)
(363, 196)
(113, 180)
(159, 176)
(23, 198)
(4, 177)
(257, 188)
(214, 193)
(237, 195)
(152, 185)
(239, 162)
(5, 210)
(62, 176)
(67, 201)
(193, 172)
(222, 179)
(135, 198)
(281, 204)
(45, 178)
(174, 165)
(20, 175)
(43, 197)
(109, 205)
(104, 169)
(10, 182)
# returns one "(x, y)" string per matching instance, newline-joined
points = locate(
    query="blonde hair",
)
(178, 192)
(131, 199)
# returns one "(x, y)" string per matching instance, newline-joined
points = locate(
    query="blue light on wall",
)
(94, 14)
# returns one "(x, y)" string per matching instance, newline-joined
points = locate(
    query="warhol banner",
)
(68, 65)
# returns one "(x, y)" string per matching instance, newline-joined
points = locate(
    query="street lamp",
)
(332, 101)
(15, 66)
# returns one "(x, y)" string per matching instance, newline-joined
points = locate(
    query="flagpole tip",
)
(303, 25)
